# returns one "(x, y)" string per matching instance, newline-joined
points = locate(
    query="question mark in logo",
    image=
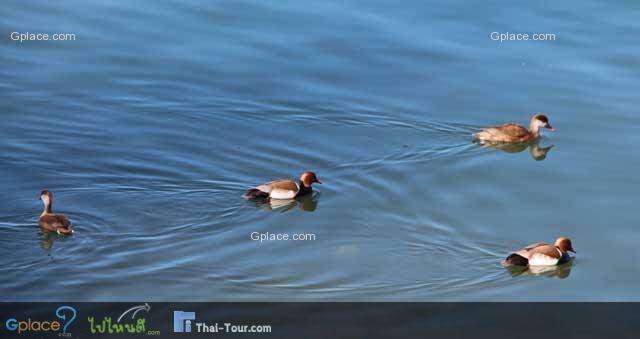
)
(64, 317)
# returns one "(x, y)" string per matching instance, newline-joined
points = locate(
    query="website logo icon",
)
(39, 327)
(182, 321)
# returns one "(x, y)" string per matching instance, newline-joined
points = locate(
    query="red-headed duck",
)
(284, 188)
(541, 254)
(53, 222)
(514, 132)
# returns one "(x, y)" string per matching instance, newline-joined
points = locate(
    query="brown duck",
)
(284, 188)
(541, 254)
(53, 222)
(514, 132)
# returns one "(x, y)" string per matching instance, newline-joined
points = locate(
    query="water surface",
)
(151, 124)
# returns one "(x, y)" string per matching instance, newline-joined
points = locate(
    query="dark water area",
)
(149, 126)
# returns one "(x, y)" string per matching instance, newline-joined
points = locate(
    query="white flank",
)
(539, 259)
(282, 194)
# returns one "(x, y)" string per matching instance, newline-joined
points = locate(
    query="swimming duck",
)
(284, 188)
(514, 132)
(53, 222)
(541, 254)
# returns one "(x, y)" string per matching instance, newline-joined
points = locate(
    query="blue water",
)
(149, 126)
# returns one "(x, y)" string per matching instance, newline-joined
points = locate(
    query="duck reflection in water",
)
(48, 239)
(537, 153)
(306, 202)
(560, 272)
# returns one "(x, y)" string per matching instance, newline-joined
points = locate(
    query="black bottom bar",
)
(319, 320)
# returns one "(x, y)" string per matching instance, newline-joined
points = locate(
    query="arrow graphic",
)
(135, 310)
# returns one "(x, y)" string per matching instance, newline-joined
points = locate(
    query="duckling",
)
(284, 188)
(541, 254)
(53, 222)
(514, 132)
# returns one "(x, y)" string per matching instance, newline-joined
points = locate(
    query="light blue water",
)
(151, 124)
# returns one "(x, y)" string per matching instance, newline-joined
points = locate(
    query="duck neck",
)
(534, 129)
(47, 208)
(304, 189)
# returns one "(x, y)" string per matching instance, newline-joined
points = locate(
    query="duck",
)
(50, 221)
(541, 254)
(514, 133)
(284, 188)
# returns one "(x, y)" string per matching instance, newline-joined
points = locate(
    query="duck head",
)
(564, 244)
(47, 199)
(308, 178)
(539, 120)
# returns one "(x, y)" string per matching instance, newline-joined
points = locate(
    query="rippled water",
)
(149, 127)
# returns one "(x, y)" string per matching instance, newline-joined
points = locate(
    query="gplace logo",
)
(66, 313)
(182, 321)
